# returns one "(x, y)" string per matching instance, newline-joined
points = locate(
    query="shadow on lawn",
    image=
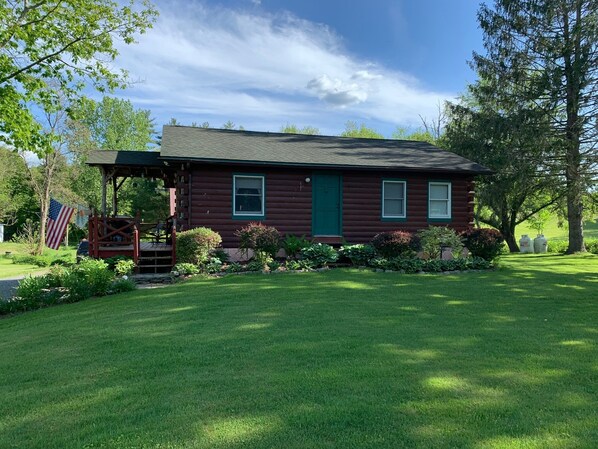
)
(341, 359)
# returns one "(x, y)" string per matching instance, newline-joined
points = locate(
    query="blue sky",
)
(262, 64)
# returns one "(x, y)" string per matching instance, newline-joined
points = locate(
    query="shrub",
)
(124, 267)
(592, 245)
(293, 245)
(477, 263)
(33, 292)
(359, 255)
(39, 261)
(395, 244)
(483, 242)
(558, 246)
(435, 237)
(274, 265)
(194, 246)
(74, 287)
(233, 268)
(259, 238)
(214, 265)
(114, 260)
(405, 264)
(122, 285)
(298, 265)
(185, 269)
(319, 254)
(96, 275)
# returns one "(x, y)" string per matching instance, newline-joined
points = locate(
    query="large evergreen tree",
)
(545, 52)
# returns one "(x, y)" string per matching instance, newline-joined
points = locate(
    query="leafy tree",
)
(546, 52)
(16, 205)
(108, 125)
(48, 178)
(294, 129)
(354, 130)
(515, 148)
(420, 135)
(50, 50)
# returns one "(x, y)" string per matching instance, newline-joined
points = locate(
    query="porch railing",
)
(114, 233)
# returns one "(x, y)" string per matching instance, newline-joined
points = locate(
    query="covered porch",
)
(151, 244)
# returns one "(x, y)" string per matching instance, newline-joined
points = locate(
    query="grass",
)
(10, 269)
(553, 232)
(342, 359)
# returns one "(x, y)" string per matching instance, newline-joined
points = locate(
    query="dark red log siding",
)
(289, 201)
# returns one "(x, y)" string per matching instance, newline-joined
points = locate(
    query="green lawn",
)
(342, 359)
(553, 232)
(10, 269)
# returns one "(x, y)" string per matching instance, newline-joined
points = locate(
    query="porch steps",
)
(154, 261)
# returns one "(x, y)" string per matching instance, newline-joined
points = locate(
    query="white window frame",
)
(249, 214)
(448, 200)
(392, 181)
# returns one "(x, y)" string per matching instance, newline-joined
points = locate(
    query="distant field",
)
(554, 232)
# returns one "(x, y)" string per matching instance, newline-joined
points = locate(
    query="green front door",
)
(326, 205)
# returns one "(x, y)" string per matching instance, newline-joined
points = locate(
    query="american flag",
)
(58, 218)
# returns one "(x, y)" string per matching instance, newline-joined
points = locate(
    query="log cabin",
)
(329, 189)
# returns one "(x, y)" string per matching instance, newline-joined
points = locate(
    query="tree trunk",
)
(509, 235)
(44, 205)
(575, 216)
(573, 130)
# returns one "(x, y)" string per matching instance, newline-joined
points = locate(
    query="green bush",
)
(592, 245)
(557, 246)
(395, 244)
(214, 265)
(560, 246)
(293, 245)
(435, 237)
(255, 265)
(124, 267)
(96, 275)
(259, 238)
(25, 259)
(274, 265)
(74, 286)
(34, 292)
(185, 269)
(233, 268)
(319, 254)
(122, 285)
(298, 265)
(359, 255)
(194, 246)
(406, 264)
(483, 242)
(114, 260)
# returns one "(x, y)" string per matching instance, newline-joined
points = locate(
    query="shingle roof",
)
(249, 147)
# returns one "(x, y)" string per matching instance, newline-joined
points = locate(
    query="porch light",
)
(308, 180)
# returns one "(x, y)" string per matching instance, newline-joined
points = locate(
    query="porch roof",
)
(132, 163)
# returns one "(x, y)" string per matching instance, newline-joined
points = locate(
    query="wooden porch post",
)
(114, 198)
(104, 182)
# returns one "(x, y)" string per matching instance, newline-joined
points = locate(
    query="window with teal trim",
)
(439, 200)
(393, 199)
(248, 197)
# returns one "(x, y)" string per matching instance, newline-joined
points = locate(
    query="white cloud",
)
(260, 70)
